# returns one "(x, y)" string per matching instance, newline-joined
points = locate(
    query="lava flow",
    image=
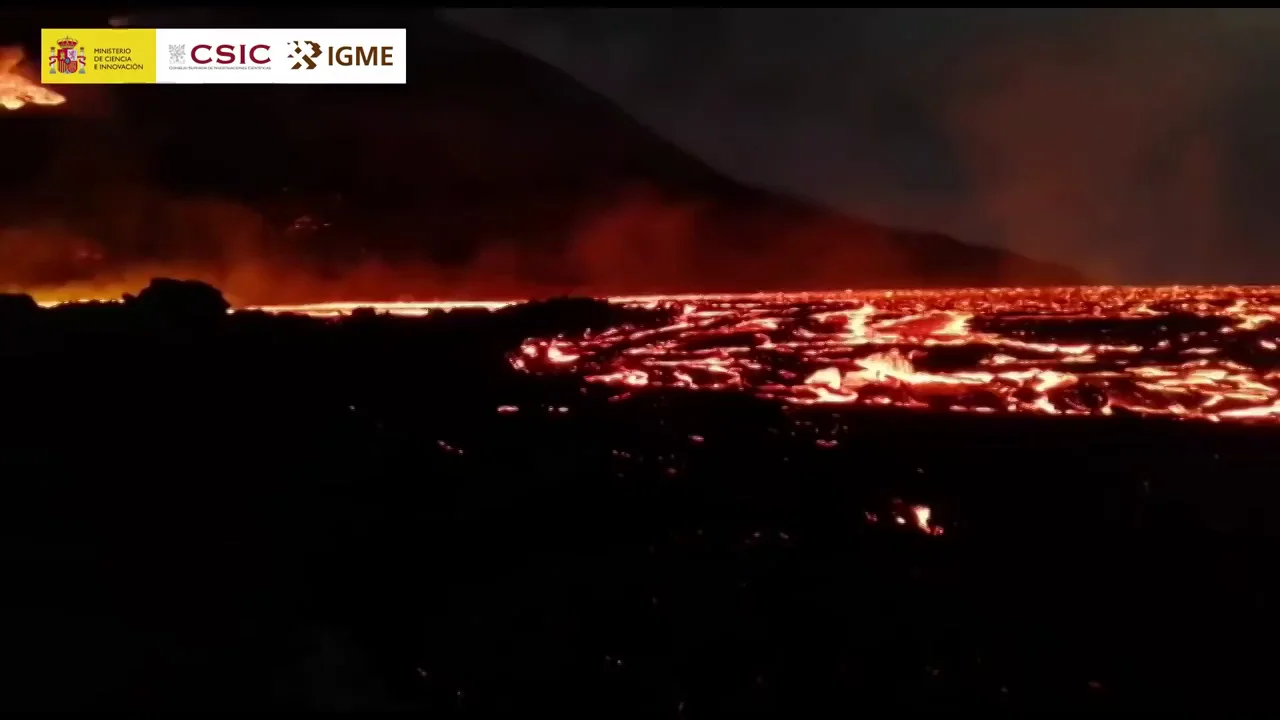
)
(1206, 352)
(16, 90)
(1188, 352)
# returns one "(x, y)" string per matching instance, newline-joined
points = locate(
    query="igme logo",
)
(305, 51)
(305, 56)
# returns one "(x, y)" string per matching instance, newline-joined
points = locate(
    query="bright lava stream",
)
(1190, 352)
(1206, 352)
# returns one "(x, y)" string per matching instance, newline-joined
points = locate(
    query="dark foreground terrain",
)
(224, 512)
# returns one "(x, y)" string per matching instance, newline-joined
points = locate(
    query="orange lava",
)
(1186, 352)
(402, 309)
(16, 89)
(1205, 352)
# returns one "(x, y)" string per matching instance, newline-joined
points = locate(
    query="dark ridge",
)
(486, 144)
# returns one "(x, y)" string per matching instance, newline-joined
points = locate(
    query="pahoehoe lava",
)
(1206, 352)
(1202, 352)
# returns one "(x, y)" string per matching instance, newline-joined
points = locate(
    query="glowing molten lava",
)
(1185, 351)
(1194, 352)
(16, 90)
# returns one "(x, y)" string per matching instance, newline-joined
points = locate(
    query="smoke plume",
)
(1056, 155)
(1098, 144)
(1133, 144)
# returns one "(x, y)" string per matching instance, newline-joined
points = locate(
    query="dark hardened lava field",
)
(257, 510)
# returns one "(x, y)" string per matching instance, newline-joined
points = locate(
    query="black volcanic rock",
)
(487, 153)
(184, 300)
(17, 308)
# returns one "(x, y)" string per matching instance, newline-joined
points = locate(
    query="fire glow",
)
(16, 90)
(1185, 352)
(1202, 352)
(1181, 351)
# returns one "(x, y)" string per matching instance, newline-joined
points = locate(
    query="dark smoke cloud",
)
(1112, 140)
(1135, 144)
(635, 243)
(62, 237)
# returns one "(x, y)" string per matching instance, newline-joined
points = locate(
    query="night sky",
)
(1138, 145)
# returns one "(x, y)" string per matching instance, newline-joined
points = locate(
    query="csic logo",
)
(242, 54)
(67, 58)
(306, 56)
(305, 52)
(177, 54)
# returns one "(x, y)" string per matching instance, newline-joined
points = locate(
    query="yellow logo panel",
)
(99, 56)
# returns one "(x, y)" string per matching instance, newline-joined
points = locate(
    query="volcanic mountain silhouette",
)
(486, 152)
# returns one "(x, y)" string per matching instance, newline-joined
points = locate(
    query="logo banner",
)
(236, 56)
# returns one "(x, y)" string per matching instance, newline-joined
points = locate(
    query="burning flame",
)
(16, 90)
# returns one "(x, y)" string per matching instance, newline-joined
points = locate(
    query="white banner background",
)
(175, 62)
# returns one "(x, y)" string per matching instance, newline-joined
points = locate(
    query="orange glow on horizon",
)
(16, 89)
(881, 348)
